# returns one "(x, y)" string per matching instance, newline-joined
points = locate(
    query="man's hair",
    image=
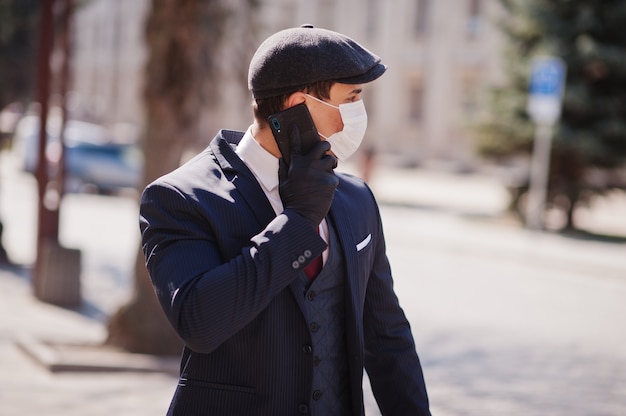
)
(265, 107)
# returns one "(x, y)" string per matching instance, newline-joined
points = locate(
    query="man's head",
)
(294, 64)
(299, 57)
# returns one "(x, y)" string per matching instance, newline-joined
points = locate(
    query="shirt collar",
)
(262, 163)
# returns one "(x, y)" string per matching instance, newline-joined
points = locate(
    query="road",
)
(506, 321)
(510, 322)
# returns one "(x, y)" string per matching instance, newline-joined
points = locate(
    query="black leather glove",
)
(307, 186)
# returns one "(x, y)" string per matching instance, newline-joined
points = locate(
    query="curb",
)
(60, 357)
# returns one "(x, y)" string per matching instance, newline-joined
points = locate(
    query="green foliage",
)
(18, 43)
(590, 37)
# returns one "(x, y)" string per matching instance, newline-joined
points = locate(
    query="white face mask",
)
(345, 142)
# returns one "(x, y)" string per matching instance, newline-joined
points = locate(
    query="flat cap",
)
(297, 57)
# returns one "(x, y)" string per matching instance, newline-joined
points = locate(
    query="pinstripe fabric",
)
(222, 265)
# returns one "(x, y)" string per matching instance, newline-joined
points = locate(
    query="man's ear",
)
(296, 98)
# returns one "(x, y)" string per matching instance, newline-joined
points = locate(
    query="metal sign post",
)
(547, 81)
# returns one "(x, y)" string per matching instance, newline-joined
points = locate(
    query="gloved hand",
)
(308, 184)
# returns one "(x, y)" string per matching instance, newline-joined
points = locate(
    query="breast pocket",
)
(365, 254)
(364, 244)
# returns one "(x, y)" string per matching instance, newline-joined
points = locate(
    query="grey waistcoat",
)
(323, 308)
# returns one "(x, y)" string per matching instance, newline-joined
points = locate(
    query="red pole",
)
(64, 87)
(46, 227)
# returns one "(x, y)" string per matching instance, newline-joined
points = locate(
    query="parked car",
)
(95, 161)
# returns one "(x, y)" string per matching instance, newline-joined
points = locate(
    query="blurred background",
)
(508, 319)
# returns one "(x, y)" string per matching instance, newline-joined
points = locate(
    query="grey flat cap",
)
(297, 57)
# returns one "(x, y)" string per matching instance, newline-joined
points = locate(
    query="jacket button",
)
(295, 265)
(314, 327)
(316, 361)
(301, 259)
(310, 296)
(307, 254)
(317, 395)
(307, 349)
(303, 409)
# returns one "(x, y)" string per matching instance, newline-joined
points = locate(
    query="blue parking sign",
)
(546, 85)
(547, 76)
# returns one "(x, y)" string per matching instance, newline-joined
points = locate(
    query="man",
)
(229, 238)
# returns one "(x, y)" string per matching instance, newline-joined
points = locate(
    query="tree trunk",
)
(141, 325)
(569, 218)
(573, 197)
(180, 35)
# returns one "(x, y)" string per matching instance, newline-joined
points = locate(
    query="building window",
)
(421, 17)
(371, 18)
(474, 22)
(469, 95)
(416, 101)
(369, 98)
(327, 13)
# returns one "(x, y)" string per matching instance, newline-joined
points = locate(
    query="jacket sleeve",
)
(206, 298)
(391, 361)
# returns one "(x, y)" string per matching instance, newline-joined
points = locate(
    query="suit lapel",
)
(341, 220)
(241, 177)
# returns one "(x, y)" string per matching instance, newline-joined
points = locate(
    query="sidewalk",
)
(105, 382)
(30, 386)
(482, 195)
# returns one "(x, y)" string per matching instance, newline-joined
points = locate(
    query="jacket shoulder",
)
(354, 186)
(209, 163)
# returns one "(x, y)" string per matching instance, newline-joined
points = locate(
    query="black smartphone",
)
(280, 122)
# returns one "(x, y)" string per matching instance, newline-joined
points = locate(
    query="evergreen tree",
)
(589, 147)
(18, 42)
(18, 30)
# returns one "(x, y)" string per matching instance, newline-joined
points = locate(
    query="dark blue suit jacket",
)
(222, 264)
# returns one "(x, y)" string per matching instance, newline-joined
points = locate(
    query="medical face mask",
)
(354, 117)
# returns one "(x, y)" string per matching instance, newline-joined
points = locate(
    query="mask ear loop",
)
(328, 104)
(322, 101)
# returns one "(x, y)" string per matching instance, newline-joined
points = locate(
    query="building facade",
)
(441, 54)
(107, 61)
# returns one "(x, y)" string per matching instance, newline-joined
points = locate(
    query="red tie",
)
(314, 268)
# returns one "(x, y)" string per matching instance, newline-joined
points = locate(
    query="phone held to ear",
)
(280, 122)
